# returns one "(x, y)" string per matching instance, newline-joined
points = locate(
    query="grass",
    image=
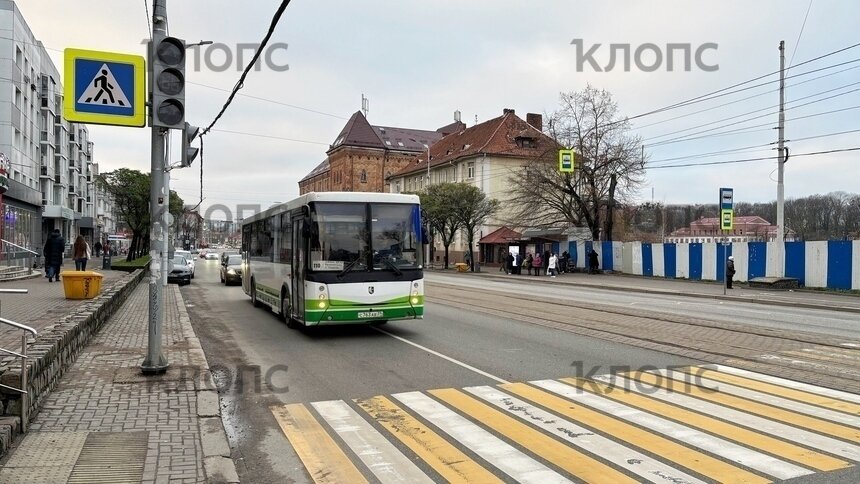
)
(130, 266)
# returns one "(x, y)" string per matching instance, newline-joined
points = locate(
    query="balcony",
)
(43, 172)
(57, 179)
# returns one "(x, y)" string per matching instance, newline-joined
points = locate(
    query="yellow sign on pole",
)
(565, 161)
(104, 88)
(727, 219)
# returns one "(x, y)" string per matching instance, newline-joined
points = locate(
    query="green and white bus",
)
(337, 258)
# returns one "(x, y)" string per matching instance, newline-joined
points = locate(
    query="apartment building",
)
(51, 172)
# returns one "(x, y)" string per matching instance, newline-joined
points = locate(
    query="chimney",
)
(508, 111)
(457, 116)
(536, 120)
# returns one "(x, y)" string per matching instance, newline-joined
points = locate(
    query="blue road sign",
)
(104, 88)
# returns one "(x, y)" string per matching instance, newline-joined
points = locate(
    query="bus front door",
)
(297, 275)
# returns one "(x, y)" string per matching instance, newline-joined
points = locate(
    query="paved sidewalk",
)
(105, 419)
(713, 290)
(43, 305)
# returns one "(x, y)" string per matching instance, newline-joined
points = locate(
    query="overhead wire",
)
(800, 35)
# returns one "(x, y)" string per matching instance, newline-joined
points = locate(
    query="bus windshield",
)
(344, 239)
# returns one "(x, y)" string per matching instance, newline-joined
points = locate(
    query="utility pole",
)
(780, 185)
(159, 199)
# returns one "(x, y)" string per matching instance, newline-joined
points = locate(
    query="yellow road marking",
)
(562, 456)
(438, 453)
(324, 460)
(785, 450)
(779, 391)
(668, 449)
(749, 406)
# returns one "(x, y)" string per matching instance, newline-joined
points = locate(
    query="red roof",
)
(497, 136)
(359, 132)
(501, 236)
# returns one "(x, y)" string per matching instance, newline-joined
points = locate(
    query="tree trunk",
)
(447, 247)
(610, 206)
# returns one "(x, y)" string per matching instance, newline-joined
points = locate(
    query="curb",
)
(217, 462)
(745, 299)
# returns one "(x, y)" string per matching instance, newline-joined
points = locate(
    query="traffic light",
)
(167, 58)
(189, 133)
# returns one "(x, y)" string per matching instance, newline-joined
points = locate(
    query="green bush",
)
(130, 266)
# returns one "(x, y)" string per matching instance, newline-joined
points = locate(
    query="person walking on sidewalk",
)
(593, 262)
(730, 271)
(81, 253)
(53, 254)
(553, 265)
(537, 263)
(98, 248)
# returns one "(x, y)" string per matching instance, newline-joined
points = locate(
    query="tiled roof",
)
(321, 168)
(497, 136)
(359, 132)
(503, 235)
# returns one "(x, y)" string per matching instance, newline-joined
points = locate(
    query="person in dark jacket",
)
(509, 263)
(545, 260)
(593, 262)
(55, 246)
(98, 248)
(730, 271)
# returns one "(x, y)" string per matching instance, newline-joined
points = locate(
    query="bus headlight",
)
(414, 300)
(322, 296)
(322, 304)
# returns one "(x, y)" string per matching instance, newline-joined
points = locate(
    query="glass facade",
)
(19, 227)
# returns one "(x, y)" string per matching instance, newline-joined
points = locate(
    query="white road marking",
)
(444, 357)
(380, 456)
(753, 422)
(492, 449)
(796, 385)
(636, 462)
(688, 435)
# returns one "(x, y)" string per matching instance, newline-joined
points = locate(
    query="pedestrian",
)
(98, 248)
(553, 265)
(545, 259)
(53, 251)
(468, 259)
(730, 271)
(593, 262)
(81, 253)
(503, 261)
(527, 263)
(509, 263)
(537, 263)
(565, 262)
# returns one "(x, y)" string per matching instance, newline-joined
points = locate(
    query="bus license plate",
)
(369, 314)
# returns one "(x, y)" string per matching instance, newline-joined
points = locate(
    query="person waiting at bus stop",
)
(730, 271)
(593, 262)
(537, 263)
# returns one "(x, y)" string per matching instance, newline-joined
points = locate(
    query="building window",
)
(470, 170)
(363, 178)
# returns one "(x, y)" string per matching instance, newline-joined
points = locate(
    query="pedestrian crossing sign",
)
(104, 88)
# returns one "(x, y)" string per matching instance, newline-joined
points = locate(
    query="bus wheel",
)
(286, 310)
(254, 300)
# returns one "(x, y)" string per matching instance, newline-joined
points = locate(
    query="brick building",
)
(746, 229)
(363, 156)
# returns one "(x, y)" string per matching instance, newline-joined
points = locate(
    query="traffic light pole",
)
(159, 200)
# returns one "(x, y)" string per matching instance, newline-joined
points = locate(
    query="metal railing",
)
(25, 397)
(28, 259)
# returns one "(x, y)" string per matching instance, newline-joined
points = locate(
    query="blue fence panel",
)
(721, 260)
(607, 256)
(669, 260)
(647, 260)
(758, 260)
(574, 257)
(839, 264)
(696, 261)
(795, 261)
(555, 248)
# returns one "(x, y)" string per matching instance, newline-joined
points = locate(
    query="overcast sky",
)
(420, 61)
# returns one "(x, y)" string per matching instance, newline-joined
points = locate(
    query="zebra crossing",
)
(692, 425)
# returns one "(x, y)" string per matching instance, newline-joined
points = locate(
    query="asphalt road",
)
(766, 315)
(451, 348)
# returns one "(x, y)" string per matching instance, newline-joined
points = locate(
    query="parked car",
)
(211, 256)
(231, 270)
(189, 258)
(179, 273)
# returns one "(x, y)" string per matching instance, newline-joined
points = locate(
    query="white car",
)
(188, 257)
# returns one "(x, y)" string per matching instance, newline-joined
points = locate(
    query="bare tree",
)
(609, 166)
